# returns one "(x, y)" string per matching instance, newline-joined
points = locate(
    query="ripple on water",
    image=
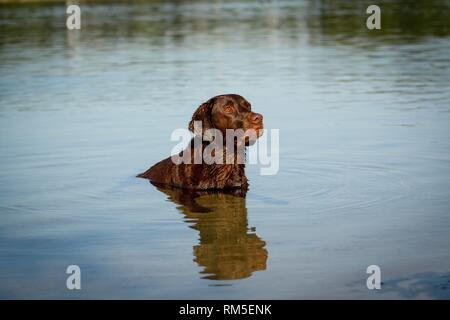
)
(331, 185)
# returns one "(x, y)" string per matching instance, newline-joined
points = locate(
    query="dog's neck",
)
(235, 154)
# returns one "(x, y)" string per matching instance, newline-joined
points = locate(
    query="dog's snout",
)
(256, 117)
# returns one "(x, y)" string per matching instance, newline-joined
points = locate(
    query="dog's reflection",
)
(228, 249)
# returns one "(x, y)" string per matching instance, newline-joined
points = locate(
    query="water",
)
(364, 161)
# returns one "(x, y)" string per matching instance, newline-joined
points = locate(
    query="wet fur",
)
(205, 176)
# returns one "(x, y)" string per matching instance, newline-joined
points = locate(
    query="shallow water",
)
(364, 177)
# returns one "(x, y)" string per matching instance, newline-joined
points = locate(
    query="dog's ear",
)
(202, 114)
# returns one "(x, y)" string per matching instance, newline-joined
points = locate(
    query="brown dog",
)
(230, 111)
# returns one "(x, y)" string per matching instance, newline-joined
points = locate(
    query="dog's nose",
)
(256, 117)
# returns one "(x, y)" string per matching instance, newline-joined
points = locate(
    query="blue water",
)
(364, 175)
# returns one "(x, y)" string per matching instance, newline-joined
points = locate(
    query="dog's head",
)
(228, 111)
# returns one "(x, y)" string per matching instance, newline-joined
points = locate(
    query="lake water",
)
(364, 177)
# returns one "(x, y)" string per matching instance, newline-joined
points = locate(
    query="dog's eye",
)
(229, 109)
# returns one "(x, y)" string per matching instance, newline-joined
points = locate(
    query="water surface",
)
(364, 119)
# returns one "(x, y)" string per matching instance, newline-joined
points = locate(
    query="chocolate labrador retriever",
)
(211, 121)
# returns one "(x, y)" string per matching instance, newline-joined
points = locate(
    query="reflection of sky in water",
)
(364, 169)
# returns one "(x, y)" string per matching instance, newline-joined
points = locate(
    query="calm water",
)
(364, 119)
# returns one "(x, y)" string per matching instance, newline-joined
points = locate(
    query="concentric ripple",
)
(338, 185)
